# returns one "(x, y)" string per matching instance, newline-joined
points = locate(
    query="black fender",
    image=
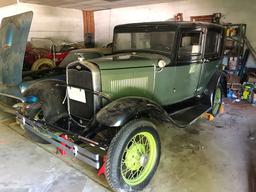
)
(51, 94)
(120, 111)
(219, 77)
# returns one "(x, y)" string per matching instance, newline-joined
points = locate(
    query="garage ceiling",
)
(94, 4)
(4, 3)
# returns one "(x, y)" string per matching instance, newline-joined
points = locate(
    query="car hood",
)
(128, 60)
(13, 38)
(14, 32)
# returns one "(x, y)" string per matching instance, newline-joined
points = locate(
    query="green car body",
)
(136, 72)
(165, 63)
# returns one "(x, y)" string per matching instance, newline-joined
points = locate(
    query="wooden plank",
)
(88, 18)
(89, 28)
(4, 3)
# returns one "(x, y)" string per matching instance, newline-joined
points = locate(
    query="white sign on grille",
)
(77, 94)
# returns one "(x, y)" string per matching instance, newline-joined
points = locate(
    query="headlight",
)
(161, 63)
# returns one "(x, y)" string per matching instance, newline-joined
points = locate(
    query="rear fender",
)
(219, 77)
(120, 111)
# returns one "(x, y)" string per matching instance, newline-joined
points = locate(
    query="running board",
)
(189, 115)
(76, 151)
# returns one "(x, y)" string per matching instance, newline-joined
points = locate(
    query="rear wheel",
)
(133, 156)
(43, 63)
(216, 100)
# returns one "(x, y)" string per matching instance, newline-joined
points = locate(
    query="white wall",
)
(235, 11)
(59, 23)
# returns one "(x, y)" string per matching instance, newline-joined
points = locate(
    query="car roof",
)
(170, 24)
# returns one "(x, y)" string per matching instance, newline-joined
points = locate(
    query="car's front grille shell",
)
(82, 77)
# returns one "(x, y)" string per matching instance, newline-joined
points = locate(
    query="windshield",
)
(151, 41)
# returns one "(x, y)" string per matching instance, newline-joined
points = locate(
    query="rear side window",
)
(190, 46)
(212, 44)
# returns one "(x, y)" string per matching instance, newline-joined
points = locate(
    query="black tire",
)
(116, 152)
(216, 111)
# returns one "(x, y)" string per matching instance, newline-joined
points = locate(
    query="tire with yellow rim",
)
(133, 156)
(216, 100)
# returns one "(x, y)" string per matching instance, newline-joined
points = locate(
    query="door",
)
(189, 63)
(212, 57)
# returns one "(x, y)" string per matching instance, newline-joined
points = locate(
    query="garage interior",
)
(214, 154)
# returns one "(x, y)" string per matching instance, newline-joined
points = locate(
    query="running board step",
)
(190, 114)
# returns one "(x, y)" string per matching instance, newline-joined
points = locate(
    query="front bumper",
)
(92, 159)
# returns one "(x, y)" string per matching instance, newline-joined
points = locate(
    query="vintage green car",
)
(166, 71)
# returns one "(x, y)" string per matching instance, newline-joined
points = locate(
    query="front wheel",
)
(133, 156)
(216, 100)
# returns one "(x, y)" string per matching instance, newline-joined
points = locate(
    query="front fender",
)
(120, 111)
(51, 95)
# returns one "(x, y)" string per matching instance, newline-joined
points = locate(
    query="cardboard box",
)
(252, 78)
(236, 86)
(231, 78)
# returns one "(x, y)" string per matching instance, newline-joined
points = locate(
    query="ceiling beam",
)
(94, 5)
(4, 3)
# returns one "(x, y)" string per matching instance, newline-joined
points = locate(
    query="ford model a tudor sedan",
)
(102, 114)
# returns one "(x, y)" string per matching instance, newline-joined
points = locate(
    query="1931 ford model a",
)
(167, 71)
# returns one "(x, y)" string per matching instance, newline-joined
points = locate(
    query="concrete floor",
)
(216, 156)
(27, 167)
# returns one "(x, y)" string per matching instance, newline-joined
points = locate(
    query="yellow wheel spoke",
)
(138, 158)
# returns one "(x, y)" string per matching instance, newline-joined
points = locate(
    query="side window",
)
(212, 44)
(190, 46)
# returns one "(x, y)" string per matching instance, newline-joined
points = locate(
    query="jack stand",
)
(222, 109)
(208, 116)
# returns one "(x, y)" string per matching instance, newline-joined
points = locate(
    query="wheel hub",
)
(143, 160)
(134, 157)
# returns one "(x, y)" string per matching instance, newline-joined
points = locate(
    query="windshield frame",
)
(145, 29)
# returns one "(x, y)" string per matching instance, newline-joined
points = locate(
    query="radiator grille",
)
(81, 79)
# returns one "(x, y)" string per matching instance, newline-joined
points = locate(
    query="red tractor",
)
(44, 53)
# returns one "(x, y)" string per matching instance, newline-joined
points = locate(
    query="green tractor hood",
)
(122, 61)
